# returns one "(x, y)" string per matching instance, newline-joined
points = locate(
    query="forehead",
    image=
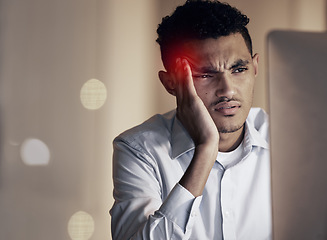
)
(221, 51)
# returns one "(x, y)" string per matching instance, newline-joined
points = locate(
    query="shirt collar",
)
(252, 137)
(181, 141)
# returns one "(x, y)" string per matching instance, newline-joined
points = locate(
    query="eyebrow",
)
(206, 69)
(239, 63)
(212, 69)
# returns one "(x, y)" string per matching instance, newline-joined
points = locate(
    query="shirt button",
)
(194, 214)
(227, 214)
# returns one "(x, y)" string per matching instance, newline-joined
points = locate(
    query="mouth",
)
(227, 108)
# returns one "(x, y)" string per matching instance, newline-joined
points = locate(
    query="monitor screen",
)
(297, 76)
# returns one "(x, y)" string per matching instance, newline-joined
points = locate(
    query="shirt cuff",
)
(181, 207)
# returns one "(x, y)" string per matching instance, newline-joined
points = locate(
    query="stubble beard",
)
(229, 130)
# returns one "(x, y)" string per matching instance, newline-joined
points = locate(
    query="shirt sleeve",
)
(139, 212)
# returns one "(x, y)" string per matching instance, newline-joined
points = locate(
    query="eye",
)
(202, 76)
(239, 70)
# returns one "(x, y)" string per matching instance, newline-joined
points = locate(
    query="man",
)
(202, 171)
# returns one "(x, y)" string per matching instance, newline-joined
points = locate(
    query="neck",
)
(230, 141)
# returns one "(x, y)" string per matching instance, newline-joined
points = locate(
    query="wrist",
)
(208, 150)
(196, 175)
(210, 142)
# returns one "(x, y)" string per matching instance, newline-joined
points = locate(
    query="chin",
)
(229, 128)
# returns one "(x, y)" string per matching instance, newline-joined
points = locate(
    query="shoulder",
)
(158, 126)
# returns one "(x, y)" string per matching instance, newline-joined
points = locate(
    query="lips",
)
(227, 108)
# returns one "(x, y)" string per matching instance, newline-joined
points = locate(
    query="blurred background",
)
(73, 75)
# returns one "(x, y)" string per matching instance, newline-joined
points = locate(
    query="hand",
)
(191, 110)
(195, 117)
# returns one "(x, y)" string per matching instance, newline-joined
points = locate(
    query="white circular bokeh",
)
(93, 94)
(34, 152)
(81, 226)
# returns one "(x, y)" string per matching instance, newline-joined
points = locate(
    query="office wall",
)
(73, 75)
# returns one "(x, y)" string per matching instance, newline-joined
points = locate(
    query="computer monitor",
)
(297, 76)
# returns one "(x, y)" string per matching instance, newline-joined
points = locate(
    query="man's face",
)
(224, 74)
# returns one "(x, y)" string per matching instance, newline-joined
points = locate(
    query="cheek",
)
(207, 98)
(203, 92)
(203, 87)
(248, 91)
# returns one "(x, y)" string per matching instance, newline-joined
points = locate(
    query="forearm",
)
(170, 219)
(197, 173)
(142, 209)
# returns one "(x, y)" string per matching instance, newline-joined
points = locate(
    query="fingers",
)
(184, 80)
(179, 79)
(188, 79)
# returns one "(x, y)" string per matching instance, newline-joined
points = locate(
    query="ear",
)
(255, 60)
(167, 82)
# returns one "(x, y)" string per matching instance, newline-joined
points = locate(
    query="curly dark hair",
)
(200, 19)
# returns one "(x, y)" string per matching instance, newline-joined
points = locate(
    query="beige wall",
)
(49, 50)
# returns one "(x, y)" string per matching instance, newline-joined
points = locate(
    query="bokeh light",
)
(34, 152)
(81, 226)
(93, 94)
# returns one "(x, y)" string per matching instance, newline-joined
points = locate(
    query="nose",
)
(225, 87)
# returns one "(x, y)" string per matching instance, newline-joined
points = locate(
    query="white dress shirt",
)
(150, 159)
